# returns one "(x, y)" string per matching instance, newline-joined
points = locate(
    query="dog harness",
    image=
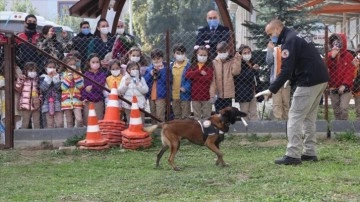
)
(208, 129)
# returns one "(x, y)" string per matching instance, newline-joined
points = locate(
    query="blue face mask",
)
(213, 23)
(274, 39)
(85, 31)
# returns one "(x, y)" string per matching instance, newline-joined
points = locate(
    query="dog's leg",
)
(160, 154)
(211, 144)
(173, 150)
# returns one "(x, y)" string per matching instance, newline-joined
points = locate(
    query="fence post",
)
(9, 58)
(168, 72)
(326, 112)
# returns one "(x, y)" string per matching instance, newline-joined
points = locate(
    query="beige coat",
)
(223, 79)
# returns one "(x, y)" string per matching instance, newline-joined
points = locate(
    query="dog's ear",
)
(237, 114)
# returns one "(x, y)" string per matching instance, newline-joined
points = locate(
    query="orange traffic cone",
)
(111, 126)
(93, 136)
(112, 111)
(135, 137)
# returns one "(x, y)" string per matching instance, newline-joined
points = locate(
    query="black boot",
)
(309, 158)
(287, 160)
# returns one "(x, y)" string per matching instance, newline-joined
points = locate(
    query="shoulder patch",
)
(285, 53)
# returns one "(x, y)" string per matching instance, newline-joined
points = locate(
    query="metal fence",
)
(174, 75)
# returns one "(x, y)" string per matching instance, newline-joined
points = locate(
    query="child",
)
(29, 100)
(115, 77)
(181, 86)
(356, 85)
(71, 86)
(156, 77)
(135, 55)
(133, 84)
(245, 84)
(200, 74)
(222, 88)
(50, 86)
(92, 92)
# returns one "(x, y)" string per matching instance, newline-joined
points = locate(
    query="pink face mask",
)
(95, 66)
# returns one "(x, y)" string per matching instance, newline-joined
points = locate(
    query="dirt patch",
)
(272, 143)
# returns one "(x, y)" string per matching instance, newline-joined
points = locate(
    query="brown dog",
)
(209, 134)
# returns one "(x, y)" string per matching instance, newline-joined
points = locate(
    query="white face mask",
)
(157, 64)
(134, 73)
(115, 72)
(50, 70)
(135, 58)
(202, 59)
(73, 66)
(246, 57)
(32, 74)
(179, 58)
(223, 56)
(95, 66)
(104, 30)
(120, 31)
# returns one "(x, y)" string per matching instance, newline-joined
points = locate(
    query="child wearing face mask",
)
(91, 92)
(71, 100)
(245, 84)
(30, 99)
(50, 86)
(133, 84)
(200, 74)
(115, 77)
(222, 88)
(156, 77)
(135, 55)
(181, 86)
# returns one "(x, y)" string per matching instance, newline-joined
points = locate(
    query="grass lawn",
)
(119, 175)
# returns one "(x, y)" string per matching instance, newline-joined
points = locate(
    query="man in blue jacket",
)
(301, 60)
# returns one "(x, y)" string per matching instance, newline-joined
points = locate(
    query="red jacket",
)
(341, 70)
(200, 84)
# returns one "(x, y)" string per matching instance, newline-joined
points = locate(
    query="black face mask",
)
(31, 26)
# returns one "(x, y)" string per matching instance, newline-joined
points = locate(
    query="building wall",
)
(240, 15)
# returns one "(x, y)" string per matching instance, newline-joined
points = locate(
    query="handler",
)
(301, 60)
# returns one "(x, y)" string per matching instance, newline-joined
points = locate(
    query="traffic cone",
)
(111, 126)
(93, 136)
(112, 111)
(135, 137)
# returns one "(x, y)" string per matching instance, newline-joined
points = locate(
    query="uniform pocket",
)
(300, 99)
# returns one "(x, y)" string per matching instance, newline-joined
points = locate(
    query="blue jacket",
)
(185, 83)
(161, 82)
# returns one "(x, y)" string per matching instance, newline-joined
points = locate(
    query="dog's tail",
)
(151, 129)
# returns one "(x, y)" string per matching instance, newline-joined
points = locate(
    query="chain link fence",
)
(173, 76)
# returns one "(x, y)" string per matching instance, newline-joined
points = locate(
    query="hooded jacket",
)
(341, 69)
